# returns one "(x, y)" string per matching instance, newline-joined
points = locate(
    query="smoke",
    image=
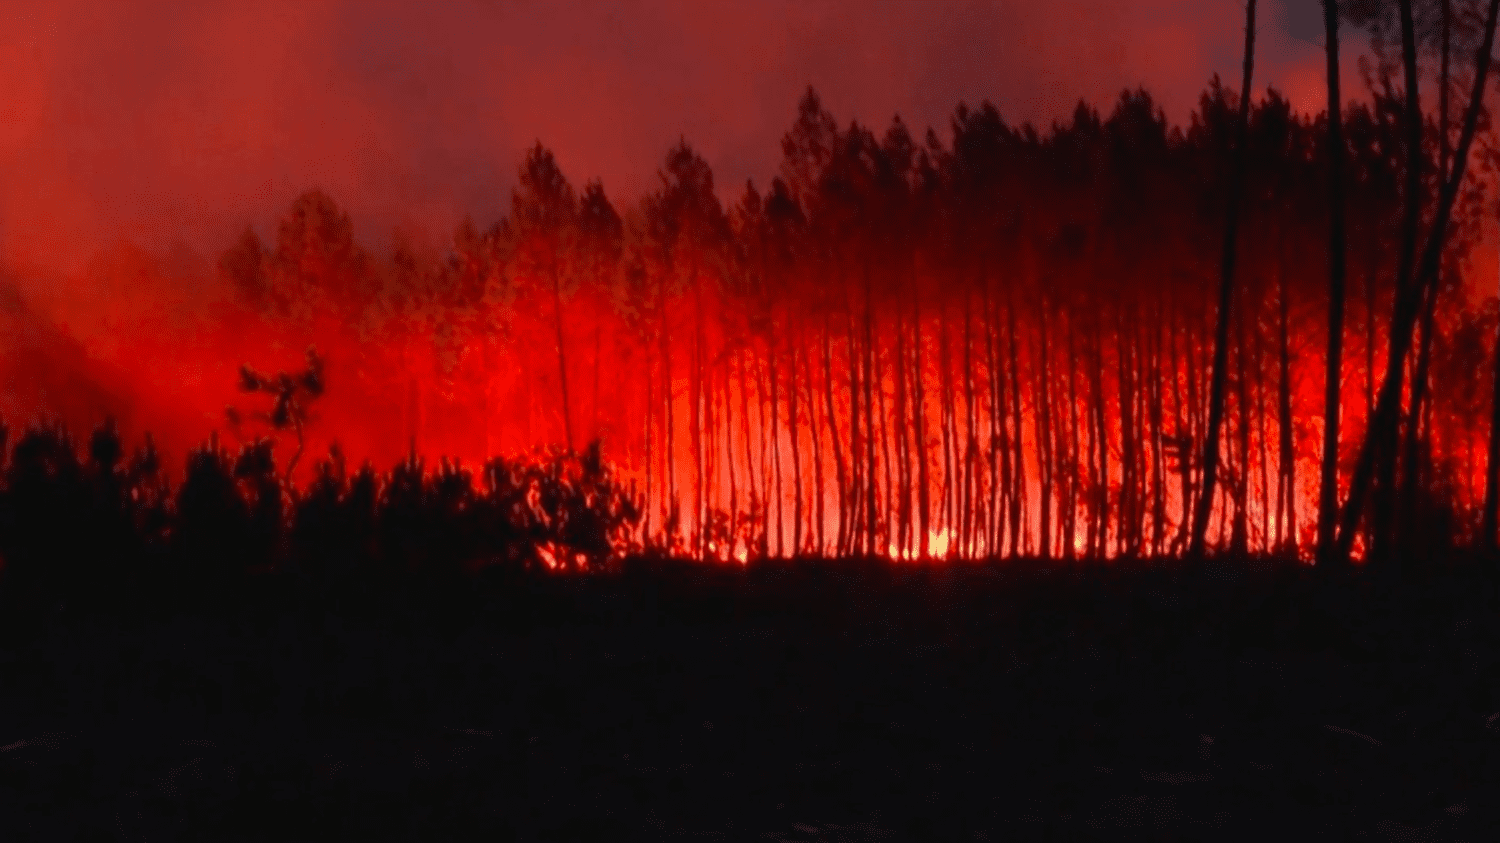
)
(44, 367)
(137, 140)
(156, 121)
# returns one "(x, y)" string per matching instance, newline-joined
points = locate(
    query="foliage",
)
(71, 520)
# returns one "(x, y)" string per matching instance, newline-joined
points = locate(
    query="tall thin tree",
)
(1328, 486)
(1226, 298)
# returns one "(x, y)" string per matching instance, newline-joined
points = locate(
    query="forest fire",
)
(1114, 478)
(1002, 343)
(998, 346)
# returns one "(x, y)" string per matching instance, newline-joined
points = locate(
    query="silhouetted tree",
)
(544, 212)
(1328, 484)
(1226, 298)
(292, 394)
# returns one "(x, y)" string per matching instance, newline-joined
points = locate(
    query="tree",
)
(291, 394)
(245, 265)
(1378, 443)
(688, 229)
(544, 212)
(601, 246)
(1226, 298)
(318, 268)
(1328, 481)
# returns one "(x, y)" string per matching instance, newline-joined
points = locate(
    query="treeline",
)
(997, 345)
(79, 516)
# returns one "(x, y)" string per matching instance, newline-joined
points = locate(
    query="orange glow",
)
(802, 374)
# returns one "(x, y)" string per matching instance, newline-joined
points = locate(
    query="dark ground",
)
(1231, 702)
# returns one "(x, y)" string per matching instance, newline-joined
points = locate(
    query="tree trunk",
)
(1070, 508)
(903, 444)
(1408, 300)
(1226, 298)
(1411, 483)
(796, 430)
(1182, 438)
(562, 363)
(817, 450)
(669, 456)
(967, 519)
(919, 417)
(1387, 446)
(1158, 460)
(871, 494)
(840, 475)
(1328, 484)
(1044, 435)
(1019, 521)
(945, 385)
(1239, 538)
(998, 445)
(1286, 484)
(776, 447)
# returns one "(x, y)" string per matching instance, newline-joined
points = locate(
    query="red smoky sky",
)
(178, 123)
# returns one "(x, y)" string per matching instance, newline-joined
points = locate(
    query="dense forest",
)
(1012, 341)
(1012, 444)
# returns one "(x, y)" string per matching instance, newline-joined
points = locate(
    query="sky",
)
(166, 123)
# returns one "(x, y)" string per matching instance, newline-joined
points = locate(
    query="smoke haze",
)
(138, 140)
(158, 122)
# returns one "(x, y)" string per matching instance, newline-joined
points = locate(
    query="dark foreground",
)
(822, 702)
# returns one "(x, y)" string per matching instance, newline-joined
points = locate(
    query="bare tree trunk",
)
(562, 364)
(1070, 508)
(871, 495)
(1182, 438)
(1328, 488)
(889, 499)
(767, 445)
(945, 384)
(817, 450)
(1286, 484)
(796, 431)
(1102, 513)
(998, 445)
(669, 455)
(1411, 478)
(1387, 446)
(966, 530)
(919, 416)
(646, 444)
(729, 454)
(1239, 541)
(1097, 442)
(776, 445)
(1129, 438)
(903, 444)
(1226, 299)
(1044, 435)
(833, 436)
(1158, 460)
(1019, 522)
(739, 357)
(1411, 483)
(1408, 301)
(857, 464)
